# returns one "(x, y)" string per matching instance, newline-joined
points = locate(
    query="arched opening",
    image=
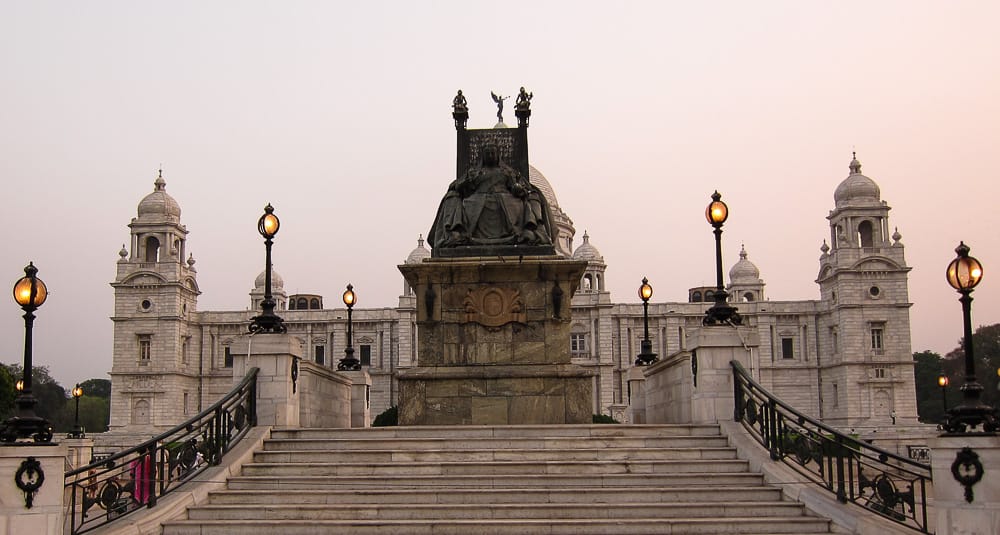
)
(302, 303)
(588, 282)
(152, 249)
(696, 297)
(865, 232)
(140, 412)
(748, 296)
(600, 283)
(314, 304)
(291, 305)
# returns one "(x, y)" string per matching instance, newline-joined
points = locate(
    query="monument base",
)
(496, 395)
(493, 337)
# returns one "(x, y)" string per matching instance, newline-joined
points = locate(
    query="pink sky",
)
(338, 114)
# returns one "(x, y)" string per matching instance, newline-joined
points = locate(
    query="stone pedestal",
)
(712, 350)
(277, 392)
(956, 515)
(696, 385)
(636, 396)
(79, 451)
(493, 337)
(45, 517)
(361, 389)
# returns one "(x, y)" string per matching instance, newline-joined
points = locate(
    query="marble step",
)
(637, 526)
(475, 442)
(446, 468)
(505, 431)
(443, 455)
(679, 494)
(495, 511)
(328, 483)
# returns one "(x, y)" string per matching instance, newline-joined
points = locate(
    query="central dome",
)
(564, 231)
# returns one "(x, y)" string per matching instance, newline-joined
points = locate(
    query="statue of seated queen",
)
(491, 204)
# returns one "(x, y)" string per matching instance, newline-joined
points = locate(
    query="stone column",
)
(361, 386)
(277, 392)
(956, 515)
(45, 517)
(712, 349)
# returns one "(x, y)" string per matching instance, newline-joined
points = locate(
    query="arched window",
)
(696, 297)
(152, 249)
(291, 305)
(140, 412)
(314, 304)
(302, 303)
(748, 296)
(865, 233)
(588, 282)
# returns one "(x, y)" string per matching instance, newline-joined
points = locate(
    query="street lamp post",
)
(267, 321)
(720, 312)
(646, 355)
(29, 292)
(77, 431)
(943, 383)
(349, 362)
(964, 273)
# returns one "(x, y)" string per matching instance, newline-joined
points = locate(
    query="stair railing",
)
(857, 472)
(137, 478)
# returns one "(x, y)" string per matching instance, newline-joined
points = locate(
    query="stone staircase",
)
(579, 479)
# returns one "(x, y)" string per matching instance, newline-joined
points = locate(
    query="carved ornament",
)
(494, 307)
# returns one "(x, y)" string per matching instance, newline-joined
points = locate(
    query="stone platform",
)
(493, 338)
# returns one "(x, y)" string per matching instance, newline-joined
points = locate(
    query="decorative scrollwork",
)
(29, 478)
(967, 470)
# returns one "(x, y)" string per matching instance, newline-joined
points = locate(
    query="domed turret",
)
(587, 251)
(276, 280)
(419, 253)
(857, 189)
(593, 275)
(159, 204)
(744, 271)
(745, 283)
(277, 291)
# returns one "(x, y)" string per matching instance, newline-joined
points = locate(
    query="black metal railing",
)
(855, 471)
(136, 478)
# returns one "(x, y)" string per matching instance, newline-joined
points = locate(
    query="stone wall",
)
(325, 396)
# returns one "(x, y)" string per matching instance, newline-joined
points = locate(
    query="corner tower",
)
(868, 381)
(154, 372)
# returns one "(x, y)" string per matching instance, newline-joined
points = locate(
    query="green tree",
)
(50, 394)
(7, 393)
(986, 349)
(927, 366)
(100, 388)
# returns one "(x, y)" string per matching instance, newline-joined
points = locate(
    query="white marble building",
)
(844, 358)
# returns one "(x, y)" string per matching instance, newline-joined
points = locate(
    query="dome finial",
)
(855, 164)
(743, 252)
(420, 240)
(586, 237)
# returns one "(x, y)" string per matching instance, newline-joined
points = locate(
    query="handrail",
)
(852, 469)
(139, 476)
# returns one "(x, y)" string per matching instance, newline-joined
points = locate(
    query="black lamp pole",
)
(646, 355)
(77, 428)
(349, 362)
(964, 273)
(720, 312)
(267, 321)
(29, 292)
